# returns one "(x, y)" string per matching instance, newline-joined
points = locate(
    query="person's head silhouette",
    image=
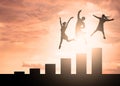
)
(103, 16)
(83, 18)
(64, 23)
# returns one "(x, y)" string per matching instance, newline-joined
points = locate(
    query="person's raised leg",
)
(93, 32)
(69, 40)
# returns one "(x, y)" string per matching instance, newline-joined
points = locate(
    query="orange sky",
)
(30, 31)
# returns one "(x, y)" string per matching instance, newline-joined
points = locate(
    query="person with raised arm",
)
(100, 26)
(63, 29)
(79, 24)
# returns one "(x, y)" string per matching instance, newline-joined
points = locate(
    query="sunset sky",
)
(30, 32)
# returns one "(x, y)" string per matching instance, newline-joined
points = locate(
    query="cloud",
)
(11, 10)
(33, 65)
(12, 3)
(43, 10)
(111, 5)
(17, 17)
(21, 36)
(113, 71)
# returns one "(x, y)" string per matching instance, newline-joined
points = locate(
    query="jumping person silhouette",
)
(63, 29)
(79, 24)
(100, 26)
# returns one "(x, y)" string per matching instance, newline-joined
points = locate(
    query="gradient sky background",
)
(30, 31)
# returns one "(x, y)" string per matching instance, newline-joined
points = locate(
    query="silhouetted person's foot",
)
(59, 47)
(71, 40)
(91, 34)
(104, 37)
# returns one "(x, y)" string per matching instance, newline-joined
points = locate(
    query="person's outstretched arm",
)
(68, 21)
(109, 19)
(96, 16)
(78, 15)
(60, 21)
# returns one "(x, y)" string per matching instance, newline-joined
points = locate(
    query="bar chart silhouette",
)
(81, 64)
(81, 78)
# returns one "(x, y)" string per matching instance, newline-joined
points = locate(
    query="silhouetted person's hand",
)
(71, 17)
(59, 17)
(80, 10)
(112, 19)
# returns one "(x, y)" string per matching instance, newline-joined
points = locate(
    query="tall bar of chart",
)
(50, 69)
(81, 64)
(97, 61)
(65, 66)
